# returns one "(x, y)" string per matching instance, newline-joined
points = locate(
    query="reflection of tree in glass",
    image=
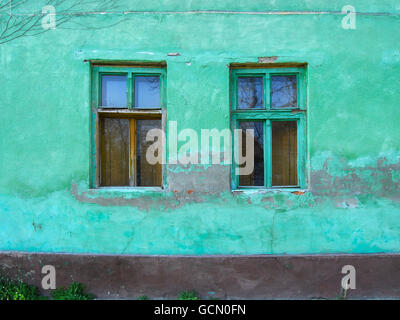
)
(256, 178)
(147, 91)
(147, 174)
(284, 91)
(154, 82)
(250, 92)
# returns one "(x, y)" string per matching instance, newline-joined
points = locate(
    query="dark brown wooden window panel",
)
(147, 175)
(284, 153)
(114, 152)
(123, 148)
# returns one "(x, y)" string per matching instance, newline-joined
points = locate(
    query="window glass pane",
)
(114, 141)
(284, 153)
(256, 177)
(250, 93)
(284, 91)
(147, 92)
(148, 175)
(113, 91)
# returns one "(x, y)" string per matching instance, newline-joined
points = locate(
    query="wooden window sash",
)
(268, 115)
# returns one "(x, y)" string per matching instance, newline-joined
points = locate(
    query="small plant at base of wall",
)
(76, 291)
(188, 295)
(18, 290)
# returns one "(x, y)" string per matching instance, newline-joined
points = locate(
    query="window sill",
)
(107, 190)
(86, 193)
(270, 190)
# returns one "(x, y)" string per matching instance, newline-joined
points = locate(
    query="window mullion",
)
(268, 154)
(301, 103)
(96, 90)
(235, 93)
(130, 91)
(235, 166)
(162, 91)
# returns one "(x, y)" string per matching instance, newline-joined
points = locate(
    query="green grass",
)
(76, 291)
(188, 295)
(18, 290)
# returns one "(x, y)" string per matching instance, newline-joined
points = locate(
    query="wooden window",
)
(114, 151)
(284, 153)
(127, 102)
(272, 102)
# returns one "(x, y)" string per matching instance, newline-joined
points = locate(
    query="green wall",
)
(351, 205)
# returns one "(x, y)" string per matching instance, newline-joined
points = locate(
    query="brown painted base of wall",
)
(226, 277)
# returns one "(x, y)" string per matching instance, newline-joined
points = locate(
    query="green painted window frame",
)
(267, 115)
(97, 110)
(131, 73)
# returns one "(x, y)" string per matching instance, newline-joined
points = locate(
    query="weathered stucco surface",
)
(351, 205)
